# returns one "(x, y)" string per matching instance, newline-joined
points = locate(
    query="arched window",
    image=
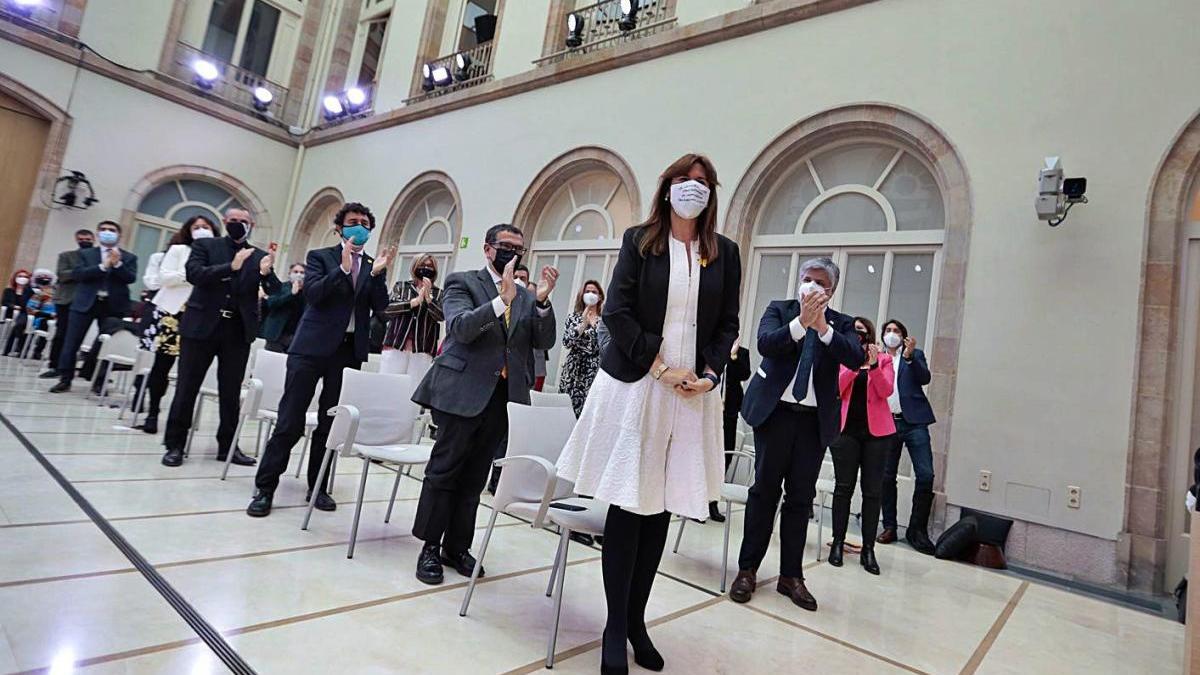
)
(875, 207)
(427, 221)
(579, 212)
(166, 207)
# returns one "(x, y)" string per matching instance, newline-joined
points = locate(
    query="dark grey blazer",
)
(465, 374)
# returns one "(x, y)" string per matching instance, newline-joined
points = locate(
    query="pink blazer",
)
(880, 382)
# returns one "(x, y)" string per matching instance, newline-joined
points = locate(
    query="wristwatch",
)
(657, 373)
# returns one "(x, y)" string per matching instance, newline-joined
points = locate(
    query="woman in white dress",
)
(648, 441)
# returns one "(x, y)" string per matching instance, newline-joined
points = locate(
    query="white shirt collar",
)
(496, 278)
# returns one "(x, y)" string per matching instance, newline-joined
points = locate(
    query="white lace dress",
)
(642, 446)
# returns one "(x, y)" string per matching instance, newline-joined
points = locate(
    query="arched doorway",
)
(425, 219)
(314, 229)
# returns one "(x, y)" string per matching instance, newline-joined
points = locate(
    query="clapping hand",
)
(268, 260)
(383, 260)
(114, 257)
(812, 310)
(240, 257)
(508, 284)
(872, 355)
(547, 283)
(910, 345)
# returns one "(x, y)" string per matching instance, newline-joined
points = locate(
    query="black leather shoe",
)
(260, 505)
(836, 552)
(794, 588)
(867, 559)
(49, 375)
(324, 501)
(173, 457)
(714, 513)
(429, 565)
(743, 586)
(919, 540)
(644, 653)
(60, 388)
(149, 426)
(239, 458)
(463, 563)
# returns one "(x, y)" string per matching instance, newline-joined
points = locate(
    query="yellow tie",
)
(507, 318)
(507, 315)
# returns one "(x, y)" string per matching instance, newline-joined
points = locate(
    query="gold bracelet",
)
(658, 372)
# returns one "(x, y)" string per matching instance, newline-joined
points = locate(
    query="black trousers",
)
(457, 472)
(787, 462)
(229, 347)
(156, 383)
(303, 373)
(63, 317)
(77, 328)
(852, 451)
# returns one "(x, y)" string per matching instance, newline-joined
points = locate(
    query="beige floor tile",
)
(58, 550)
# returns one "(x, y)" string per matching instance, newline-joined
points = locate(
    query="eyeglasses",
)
(519, 250)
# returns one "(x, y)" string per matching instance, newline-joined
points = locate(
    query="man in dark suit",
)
(220, 320)
(493, 323)
(913, 415)
(792, 404)
(64, 293)
(102, 276)
(343, 287)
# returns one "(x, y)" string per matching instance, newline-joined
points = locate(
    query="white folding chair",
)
(529, 482)
(372, 364)
(374, 421)
(89, 337)
(208, 389)
(731, 493)
(118, 349)
(31, 337)
(137, 395)
(263, 393)
(541, 399)
(825, 485)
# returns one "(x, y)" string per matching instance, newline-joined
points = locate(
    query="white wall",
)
(120, 134)
(691, 11)
(1045, 370)
(519, 39)
(130, 33)
(399, 54)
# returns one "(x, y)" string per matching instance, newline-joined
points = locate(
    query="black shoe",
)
(324, 501)
(49, 375)
(867, 559)
(149, 426)
(61, 387)
(614, 660)
(581, 538)
(714, 514)
(919, 540)
(429, 565)
(644, 653)
(463, 563)
(836, 552)
(918, 523)
(260, 505)
(238, 458)
(173, 457)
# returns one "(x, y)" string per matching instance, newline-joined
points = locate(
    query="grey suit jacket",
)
(478, 346)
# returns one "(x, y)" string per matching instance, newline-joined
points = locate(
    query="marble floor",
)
(289, 601)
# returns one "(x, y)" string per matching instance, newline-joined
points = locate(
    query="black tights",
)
(158, 381)
(633, 547)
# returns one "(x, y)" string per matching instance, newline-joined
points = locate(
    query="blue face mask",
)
(356, 234)
(108, 237)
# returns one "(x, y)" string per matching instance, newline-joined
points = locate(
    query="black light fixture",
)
(629, 10)
(462, 64)
(75, 191)
(427, 77)
(574, 31)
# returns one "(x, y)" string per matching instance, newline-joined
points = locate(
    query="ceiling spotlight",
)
(462, 63)
(355, 99)
(574, 31)
(629, 10)
(333, 107)
(262, 98)
(441, 76)
(427, 77)
(206, 74)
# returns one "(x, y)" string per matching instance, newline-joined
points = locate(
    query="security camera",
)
(1057, 194)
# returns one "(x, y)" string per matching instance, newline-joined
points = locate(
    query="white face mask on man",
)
(689, 198)
(808, 288)
(892, 340)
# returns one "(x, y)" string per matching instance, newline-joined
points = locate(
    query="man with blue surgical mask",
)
(102, 276)
(343, 287)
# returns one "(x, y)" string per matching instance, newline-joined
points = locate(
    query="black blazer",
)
(736, 372)
(911, 377)
(421, 324)
(90, 280)
(636, 305)
(216, 286)
(781, 357)
(332, 298)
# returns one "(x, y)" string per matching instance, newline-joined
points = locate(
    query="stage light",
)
(629, 10)
(441, 76)
(426, 77)
(333, 107)
(355, 99)
(25, 8)
(574, 31)
(206, 73)
(262, 98)
(462, 62)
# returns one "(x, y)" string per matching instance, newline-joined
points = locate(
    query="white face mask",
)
(688, 199)
(296, 276)
(22, 281)
(202, 233)
(807, 288)
(892, 340)
(591, 299)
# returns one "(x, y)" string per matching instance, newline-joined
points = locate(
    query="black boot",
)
(714, 513)
(867, 558)
(651, 542)
(918, 523)
(149, 425)
(836, 552)
(617, 561)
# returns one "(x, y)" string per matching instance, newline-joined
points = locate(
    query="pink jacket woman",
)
(880, 382)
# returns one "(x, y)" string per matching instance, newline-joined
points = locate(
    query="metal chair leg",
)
(725, 550)
(237, 433)
(362, 488)
(564, 544)
(820, 526)
(679, 536)
(392, 502)
(303, 451)
(199, 410)
(554, 571)
(487, 538)
(312, 502)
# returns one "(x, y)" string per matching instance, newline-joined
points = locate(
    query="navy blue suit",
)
(790, 439)
(100, 293)
(912, 431)
(912, 376)
(321, 349)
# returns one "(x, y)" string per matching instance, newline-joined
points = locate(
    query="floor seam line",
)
(989, 639)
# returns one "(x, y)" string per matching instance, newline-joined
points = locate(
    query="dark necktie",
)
(354, 265)
(804, 370)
